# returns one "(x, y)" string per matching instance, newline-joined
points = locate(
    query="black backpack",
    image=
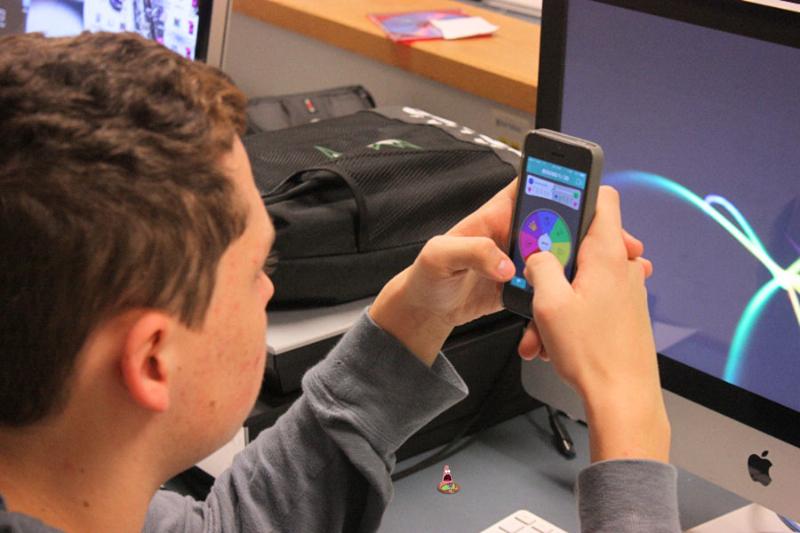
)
(353, 199)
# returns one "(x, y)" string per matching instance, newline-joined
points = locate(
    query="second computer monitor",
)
(195, 29)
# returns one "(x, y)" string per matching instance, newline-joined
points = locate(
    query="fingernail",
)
(528, 356)
(503, 266)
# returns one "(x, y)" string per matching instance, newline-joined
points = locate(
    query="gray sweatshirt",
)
(326, 464)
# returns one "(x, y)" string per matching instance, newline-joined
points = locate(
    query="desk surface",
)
(514, 466)
(503, 67)
(289, 330)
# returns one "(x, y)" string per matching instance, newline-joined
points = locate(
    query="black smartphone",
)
(556, 200)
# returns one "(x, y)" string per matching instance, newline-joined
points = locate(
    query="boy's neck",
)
(75, 485)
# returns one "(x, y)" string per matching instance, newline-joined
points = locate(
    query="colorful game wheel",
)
(545, 230)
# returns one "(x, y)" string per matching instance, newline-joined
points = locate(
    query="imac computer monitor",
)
(193, 28)
(697, 107)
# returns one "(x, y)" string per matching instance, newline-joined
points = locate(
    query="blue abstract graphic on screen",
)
(784, 280)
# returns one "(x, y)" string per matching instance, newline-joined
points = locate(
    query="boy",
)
(132, 320)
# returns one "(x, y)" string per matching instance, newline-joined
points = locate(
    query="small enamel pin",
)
(447, 485)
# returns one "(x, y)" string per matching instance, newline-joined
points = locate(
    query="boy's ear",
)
(145, 361)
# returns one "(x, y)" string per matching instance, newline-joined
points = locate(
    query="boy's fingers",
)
(546, 275)
(509, 191)
(635, 249)
(543, 355)
(607, 224)
(634, 246)
(530, 345)
(447, 255)
(647, 266)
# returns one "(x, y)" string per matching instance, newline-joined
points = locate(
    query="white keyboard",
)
(523, 522)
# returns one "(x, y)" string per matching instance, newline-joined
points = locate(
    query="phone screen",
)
(548, 215)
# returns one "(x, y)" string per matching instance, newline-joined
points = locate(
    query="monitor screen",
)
(700, 130)
(174, 23)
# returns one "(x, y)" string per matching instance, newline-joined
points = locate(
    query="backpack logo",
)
(393, 143)
(328, 152)
(332, 154)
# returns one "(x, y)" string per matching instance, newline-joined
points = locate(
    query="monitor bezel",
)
(214, 19)
(204, 29)
(732, 16)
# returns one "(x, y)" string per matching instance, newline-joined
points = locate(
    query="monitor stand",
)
(747, 519)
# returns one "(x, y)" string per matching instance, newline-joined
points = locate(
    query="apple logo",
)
(759, 468)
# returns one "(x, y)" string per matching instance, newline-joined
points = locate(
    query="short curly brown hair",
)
(112, 197)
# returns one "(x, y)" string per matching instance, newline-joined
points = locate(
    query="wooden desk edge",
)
(490, 85)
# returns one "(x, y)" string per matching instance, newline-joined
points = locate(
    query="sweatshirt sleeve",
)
(325, 465)
(628, 495)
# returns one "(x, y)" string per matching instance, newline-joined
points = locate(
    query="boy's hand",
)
(597, 334)
(456, 278)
